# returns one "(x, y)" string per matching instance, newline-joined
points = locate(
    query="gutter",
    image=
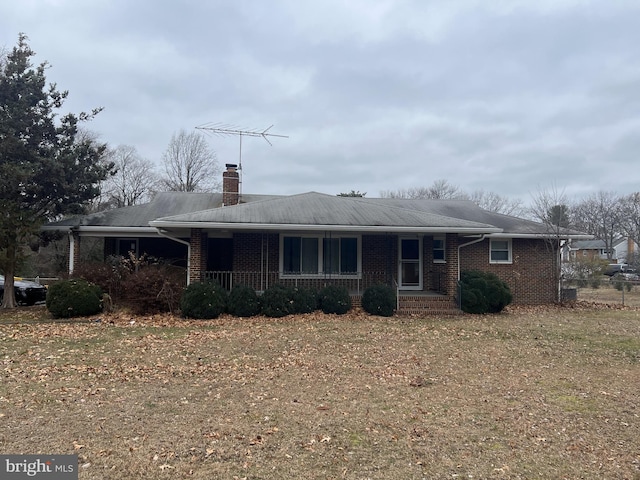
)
(88, 230)
(184, 242)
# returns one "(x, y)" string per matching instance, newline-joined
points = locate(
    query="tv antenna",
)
(224, 130)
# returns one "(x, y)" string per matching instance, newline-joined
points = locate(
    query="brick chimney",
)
(231, 185)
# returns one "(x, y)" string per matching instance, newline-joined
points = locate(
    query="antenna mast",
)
(223, 130)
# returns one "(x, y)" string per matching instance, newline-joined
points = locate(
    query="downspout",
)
(184, 242)
(482, 237)
(72, 249)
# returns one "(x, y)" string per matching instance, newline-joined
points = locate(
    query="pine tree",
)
(47, 169)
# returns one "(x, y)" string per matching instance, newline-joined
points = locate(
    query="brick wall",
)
(230, 185)
(379, 257)
(197, 260)
(529, 276)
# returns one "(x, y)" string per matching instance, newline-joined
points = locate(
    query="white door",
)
(410, 268)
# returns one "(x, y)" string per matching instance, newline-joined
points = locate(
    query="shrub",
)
(483, 292)
(277, 301)
(153, 288)
(203, 300)
(304, 300)
(379, 300)
(74, 298)
(243, 302)
(334, 299)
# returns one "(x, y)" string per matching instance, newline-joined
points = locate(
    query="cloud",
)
(503, 96)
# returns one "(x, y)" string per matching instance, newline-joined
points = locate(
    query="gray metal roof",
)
(467, 210)
(317, 209)
(306, 211)
(163, 204)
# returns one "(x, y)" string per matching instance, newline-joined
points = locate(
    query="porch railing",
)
(260, 281)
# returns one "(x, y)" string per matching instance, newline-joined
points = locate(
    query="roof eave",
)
(104, 231)
(541, 236)
(315, 228)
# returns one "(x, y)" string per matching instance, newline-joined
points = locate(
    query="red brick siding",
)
(529, 276)
(379, 258)
(254, 251)
(451, 266)
(197, 260)
(230, 186)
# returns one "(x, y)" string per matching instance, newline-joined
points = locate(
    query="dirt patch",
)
(530, 393)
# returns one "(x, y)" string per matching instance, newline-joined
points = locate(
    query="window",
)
(438, 249)
(300, 255)
(500, 251)
(126, 245)
(303, 255)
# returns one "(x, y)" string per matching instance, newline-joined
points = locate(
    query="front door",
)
(410, 268)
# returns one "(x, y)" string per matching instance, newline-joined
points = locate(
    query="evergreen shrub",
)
(243, 302)
(205, 300)
(483, 292)
(277, 301)
(304, 300)
(379, 300)
(74, 298)
(334, 299)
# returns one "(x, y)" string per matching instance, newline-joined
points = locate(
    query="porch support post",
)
(451, 271)
(198, 258)
(74, 251)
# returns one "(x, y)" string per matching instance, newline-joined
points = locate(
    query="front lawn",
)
(537, 393)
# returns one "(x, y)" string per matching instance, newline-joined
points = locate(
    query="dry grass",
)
(538, 393)
(607, 294)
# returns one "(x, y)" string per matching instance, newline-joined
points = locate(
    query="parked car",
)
(27, 293)
(615, 268)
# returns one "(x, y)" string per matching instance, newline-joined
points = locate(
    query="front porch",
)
(430, 302)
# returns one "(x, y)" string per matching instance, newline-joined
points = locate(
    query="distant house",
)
(621, 252)
(311, 239)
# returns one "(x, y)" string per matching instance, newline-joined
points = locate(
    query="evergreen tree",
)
(47, 169)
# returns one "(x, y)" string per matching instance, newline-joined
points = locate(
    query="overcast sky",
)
(511, 97)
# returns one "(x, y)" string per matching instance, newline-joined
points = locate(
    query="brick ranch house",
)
(311, 239)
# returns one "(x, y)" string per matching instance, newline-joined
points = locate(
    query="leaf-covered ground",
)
(531, 393)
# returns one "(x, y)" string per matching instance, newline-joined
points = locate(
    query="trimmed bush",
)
(277, 301)
(334, 299)
(305, 300)
(74, 298)
(203, 301)
(483, 292)
(379, 300)
(243, 302)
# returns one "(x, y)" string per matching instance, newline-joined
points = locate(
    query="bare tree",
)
(440, 189)
(550, 207)
(190, 164)
(600, 215)
(134, 180)
(497, 203)
(630, 218)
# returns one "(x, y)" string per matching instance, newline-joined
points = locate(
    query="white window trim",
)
(510, 251)
(320, 273)
(444, 248)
